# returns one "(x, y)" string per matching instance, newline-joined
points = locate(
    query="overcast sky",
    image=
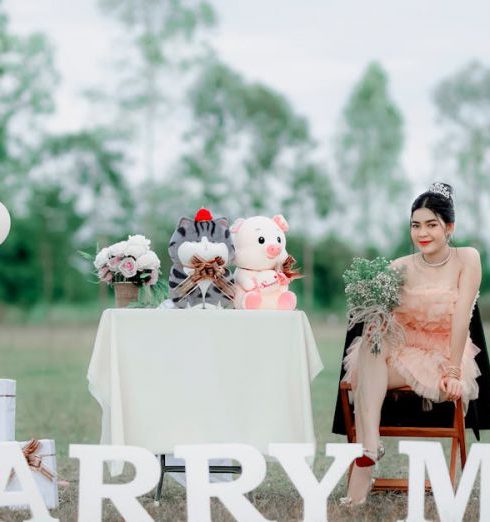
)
(312, 51)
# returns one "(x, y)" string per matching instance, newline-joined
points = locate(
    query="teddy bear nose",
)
(273, 250)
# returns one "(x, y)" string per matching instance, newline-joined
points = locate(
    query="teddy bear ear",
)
(281, 222)
(236, 225)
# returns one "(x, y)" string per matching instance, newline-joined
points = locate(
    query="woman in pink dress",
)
(437, 357)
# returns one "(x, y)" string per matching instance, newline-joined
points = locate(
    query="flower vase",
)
(125, 293)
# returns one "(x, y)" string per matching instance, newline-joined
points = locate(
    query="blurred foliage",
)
(88, 165)
(159, 41)
(256, 124)
(463, 108)
(331, 257)
(368, 150)
(163, 19)
(60, 188)
(27, 82)
(38, 258)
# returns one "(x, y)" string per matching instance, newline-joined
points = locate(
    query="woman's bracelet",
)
(453, 372)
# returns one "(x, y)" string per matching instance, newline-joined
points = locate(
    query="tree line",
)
(242, 149)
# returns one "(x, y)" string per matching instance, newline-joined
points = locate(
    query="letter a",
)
(11, 458)
(92, 488)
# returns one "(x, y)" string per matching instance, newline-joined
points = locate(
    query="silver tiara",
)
(440, 188)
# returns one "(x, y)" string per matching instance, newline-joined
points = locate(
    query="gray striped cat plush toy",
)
(201, 250)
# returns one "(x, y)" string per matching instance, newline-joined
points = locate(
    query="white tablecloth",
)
(168, 377)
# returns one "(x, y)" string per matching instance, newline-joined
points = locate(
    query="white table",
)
(168, 377)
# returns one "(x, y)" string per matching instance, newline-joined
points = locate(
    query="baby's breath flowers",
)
(372, 289)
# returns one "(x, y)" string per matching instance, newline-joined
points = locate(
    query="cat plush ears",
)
(203, 214)
(185, 222)
(222, 221)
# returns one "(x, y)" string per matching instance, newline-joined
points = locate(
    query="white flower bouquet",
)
(129, 261)
(372, 288)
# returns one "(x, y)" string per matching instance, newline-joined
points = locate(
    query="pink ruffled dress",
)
(426, 315)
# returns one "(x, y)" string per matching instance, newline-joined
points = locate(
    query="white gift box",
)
(47, 487)
(7, 410)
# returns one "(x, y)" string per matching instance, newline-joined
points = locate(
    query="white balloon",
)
(4, 223)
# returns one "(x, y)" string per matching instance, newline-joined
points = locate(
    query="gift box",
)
(7, 410)
(41, 458)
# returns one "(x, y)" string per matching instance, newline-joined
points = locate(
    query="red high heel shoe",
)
(369, 458)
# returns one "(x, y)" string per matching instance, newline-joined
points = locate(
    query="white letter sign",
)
(293, 459)
(12, 458)
(93, 490)
(200, 490)
(451, 507)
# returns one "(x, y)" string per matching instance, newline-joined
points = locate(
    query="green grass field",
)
(49, 364)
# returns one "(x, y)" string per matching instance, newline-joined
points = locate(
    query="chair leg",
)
(452, 465)
(461, 433)
(348, 417)
(158, 492)
(349, 424)
(457, 441)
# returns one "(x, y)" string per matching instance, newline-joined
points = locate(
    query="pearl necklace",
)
(440, 263)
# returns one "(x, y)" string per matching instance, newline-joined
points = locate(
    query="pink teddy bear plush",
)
(260, 251)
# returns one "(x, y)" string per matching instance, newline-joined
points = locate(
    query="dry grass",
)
(50, 363)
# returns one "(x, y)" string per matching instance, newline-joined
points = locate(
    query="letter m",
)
(450, 506)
